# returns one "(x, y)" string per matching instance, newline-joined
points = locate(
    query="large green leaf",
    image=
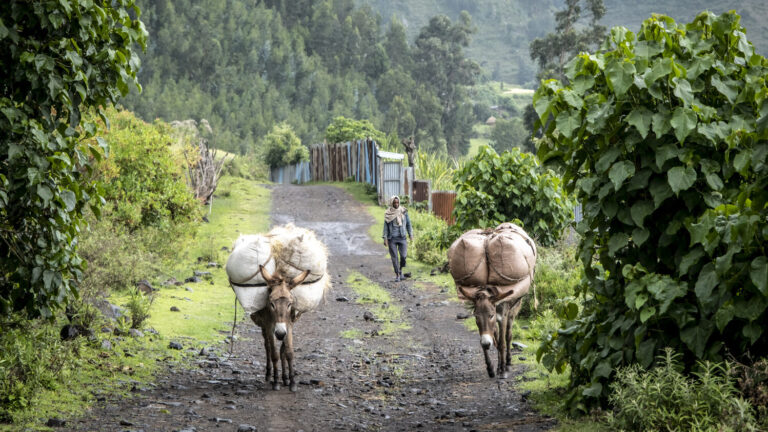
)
(640, 118)
(567, 122)
(620, 75)
(640, 210)
(619, 172)
(695, 336)
(683, 122)
(706, 282)
(616, 242)
(758, 272)
(681, 178)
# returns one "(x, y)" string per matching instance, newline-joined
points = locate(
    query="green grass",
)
(379, 302)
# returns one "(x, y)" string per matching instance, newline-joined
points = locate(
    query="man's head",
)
(395, 201)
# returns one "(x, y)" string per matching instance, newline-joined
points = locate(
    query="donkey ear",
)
(465, 293)
(497, 297)
(265, 274)
(299, 279)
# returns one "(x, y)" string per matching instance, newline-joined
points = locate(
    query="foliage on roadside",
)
(491, 189)
(58, 58)
(432, 238)
(662, 135)
(558, 273)
(282, 147)
(143, 177)
(343, 129)
(664, 398)
(437, 168)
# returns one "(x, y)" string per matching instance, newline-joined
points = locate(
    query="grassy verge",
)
(107, 366)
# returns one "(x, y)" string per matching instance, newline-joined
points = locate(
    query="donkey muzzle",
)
(280, 331)
(486, 341)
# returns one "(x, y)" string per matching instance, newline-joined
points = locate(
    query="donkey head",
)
(280, 298)
(484, 304)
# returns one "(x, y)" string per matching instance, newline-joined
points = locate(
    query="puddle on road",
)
(341, 238)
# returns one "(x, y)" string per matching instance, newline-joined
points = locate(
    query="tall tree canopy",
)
(56, 59)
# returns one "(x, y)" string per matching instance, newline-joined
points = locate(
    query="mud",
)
(430, 376)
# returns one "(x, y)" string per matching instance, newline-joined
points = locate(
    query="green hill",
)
(505, 28)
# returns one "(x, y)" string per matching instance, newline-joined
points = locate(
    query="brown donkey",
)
(276, 320)
(490, 310)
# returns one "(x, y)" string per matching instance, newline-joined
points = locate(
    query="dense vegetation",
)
(492, 188)
(246, 67)
(55, 62)
(662, 137)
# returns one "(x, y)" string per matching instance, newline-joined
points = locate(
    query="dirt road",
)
(426, 374)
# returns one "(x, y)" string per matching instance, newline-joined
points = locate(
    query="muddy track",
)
(430, 376)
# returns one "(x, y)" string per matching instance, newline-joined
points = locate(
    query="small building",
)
(491, 121)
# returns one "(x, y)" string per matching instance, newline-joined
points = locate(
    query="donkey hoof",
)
(275, 386)
(286, 382)
(491, 373)
(503, 375)
(294, 387)
(509, 367)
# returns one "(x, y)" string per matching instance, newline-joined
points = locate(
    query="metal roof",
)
(390, 155)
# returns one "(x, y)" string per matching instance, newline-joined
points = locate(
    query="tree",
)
(58, 58)
(343, 129)
(507, 134)
(442, 67)
(571, 37)
(663, 137)
(282, 147)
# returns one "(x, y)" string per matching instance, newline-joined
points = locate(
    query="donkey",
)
(490, 310)
(276, 320)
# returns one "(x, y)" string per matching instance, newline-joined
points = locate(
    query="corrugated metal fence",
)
(297, 174)
(442, 205)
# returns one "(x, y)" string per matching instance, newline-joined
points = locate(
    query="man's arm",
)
(385, 233)
(408, 225)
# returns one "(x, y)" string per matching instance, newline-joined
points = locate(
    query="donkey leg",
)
(502, 347)
(274, 355)
(268, 355)
(288, 344)
(284, 362)
(488, 362)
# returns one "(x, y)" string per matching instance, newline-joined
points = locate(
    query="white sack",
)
(249, 252)
(308, 296)
(297, 249)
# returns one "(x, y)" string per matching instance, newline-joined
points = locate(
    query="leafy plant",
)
(25, 368)
(143, 178)
(662, 137)
(558, 273)
(138, 307)
(58, 59)
(491, 189)
(282, 147)
(437, 168)
(343, 129)
(433, 237)
(665, 399)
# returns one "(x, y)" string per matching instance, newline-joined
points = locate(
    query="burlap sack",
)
(466, 258)
(510, 256)
(297, 249)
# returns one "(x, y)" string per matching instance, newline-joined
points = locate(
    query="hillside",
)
(505, 28)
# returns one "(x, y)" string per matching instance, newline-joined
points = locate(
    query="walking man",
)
(396, 225)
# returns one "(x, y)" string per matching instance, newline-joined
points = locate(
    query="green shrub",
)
(491, 189)
(558, 273)
(432, 237)
(143, 176)
(662, 135)
(138, 308)
(249, 166)
(437, 168)
(664, 399)
(32, 357)
(752, 383)
(343, 129)
(282, 147)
